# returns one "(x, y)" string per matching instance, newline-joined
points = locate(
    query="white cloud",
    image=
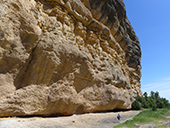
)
(167, 78)
(151, 85)
(160, 85)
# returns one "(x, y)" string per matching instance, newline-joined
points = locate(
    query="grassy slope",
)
(146, 117)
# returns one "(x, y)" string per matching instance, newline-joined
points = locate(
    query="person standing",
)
(118, 116)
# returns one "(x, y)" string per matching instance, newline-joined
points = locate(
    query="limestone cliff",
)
(66, 56)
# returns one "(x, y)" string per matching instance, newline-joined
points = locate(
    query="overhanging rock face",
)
(66, 56)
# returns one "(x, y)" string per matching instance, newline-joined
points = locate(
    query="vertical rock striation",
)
(66, 56)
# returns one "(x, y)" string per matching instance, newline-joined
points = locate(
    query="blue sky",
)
(151, 22)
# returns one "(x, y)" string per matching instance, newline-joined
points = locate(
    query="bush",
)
(160, 104)
(136, 105)
(145, 105)
(154, 107)
(151, 102)
(165, 102)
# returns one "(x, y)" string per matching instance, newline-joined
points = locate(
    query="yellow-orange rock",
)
(60, 57)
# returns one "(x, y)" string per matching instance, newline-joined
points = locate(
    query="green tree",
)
(153, 101)
(143, 101)
(136, 105)
(152, 95)
(145, 95)
(160, 104)
(157, 95)
(140, 99)
(166, 102)
(145, 104)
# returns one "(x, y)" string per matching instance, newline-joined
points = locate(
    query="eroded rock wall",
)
(66, 56)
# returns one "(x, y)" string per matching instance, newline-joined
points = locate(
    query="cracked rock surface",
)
(61, 57)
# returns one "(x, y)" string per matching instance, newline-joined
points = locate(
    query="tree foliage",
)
(136, 105)
(153, 101)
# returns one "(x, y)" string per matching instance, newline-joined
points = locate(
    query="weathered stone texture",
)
(66, 56)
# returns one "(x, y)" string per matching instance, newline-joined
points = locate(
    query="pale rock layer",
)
(60, 57)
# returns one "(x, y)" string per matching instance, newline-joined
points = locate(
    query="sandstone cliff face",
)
(66, 56)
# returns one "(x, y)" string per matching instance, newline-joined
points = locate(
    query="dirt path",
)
(91, 120)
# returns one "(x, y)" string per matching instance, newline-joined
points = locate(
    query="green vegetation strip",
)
(147, 116)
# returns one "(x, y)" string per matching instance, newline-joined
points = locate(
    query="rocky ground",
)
(91, 120)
